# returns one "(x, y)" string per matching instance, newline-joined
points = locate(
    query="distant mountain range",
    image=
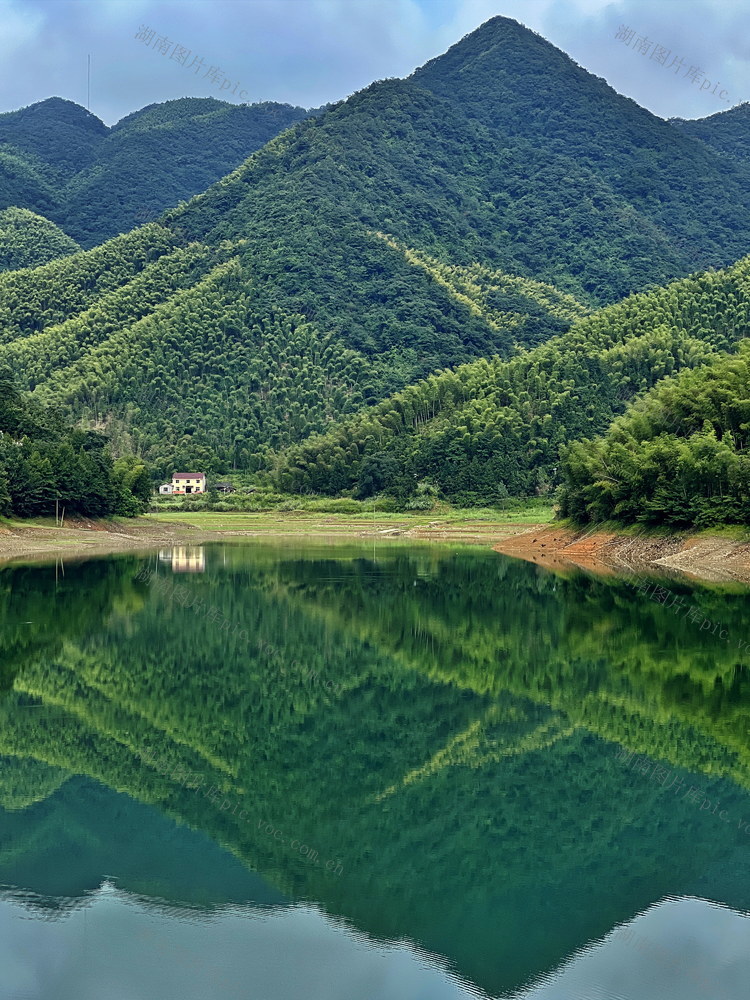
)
(477, 209)
(62, 162)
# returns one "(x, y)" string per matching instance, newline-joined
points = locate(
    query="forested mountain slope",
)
(504, 152)
(679, 456)
(727, 132)
(59, 160)
(117, 334)
(466, 162)
(170, 349)
(421, 224)
(495, 427)
(27, 240)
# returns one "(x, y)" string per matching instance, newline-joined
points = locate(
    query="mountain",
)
(726, 132)
(493, 428)
(475, 210)
(502, 151)
(27, 240)
(60, 160)
(172, 351)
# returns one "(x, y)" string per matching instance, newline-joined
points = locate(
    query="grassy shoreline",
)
(299, 520)
(527, 533)
(40, 538)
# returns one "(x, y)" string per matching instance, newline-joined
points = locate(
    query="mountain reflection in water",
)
(443, 727)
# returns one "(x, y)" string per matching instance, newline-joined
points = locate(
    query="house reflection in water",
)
(185, 558)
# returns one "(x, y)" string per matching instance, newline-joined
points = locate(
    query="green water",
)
(346, 773)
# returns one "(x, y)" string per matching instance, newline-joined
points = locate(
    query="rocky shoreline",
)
(705, 557)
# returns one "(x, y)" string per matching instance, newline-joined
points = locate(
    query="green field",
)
(456, 522)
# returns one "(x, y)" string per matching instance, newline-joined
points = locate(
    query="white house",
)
(165, 489)
(188, 482)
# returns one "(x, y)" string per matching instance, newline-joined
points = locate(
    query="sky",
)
(678, 58)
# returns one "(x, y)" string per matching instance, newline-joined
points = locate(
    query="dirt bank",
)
(705, 557)
(80, 538)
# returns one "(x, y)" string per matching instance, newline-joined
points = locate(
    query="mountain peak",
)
(724, 131)
(510, 77)
(60, 133)
(499, 38)
(58, 110)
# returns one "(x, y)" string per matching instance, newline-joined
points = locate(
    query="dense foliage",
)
(175, 348)
(27, 240)
(495, 427)
(679, 456)
(178, 358)
(40, 298)
(422, 224)
(59, 160)
(726, 131)
(502, 152)
(46, 466)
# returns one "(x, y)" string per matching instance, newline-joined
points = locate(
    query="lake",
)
(347, 772)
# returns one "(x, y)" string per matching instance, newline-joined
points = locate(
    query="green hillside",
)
(422, 224)
(27, 240)
(726, 132)
(494, 428)
(59, 160)
(678, 456)
(34, 300)
(25, 182)
(56, 132)
(172, 352)
(45, 463)
(117, 334)
(465, 161)
(530, 310)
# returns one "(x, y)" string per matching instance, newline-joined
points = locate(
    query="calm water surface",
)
(287, 772)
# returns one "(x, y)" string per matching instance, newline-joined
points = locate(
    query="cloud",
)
(19, 24)
(711, 37)
(310, 52)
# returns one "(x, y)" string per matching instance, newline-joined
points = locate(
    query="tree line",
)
(46, 464)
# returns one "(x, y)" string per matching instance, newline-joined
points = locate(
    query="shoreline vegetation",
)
(526, 533)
